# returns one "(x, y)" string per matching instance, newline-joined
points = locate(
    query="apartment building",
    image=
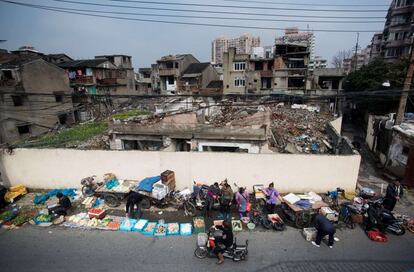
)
(243, 44)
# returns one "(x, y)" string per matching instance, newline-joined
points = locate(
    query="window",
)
(23, 129)
(239, 66)
(59, 98)
(63, 118)
(17, 100)
(239, 82)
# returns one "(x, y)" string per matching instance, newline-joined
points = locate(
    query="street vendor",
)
(62, 207)
(242, 200)
(225, 200)
(324, 227)
(272, 197)
(394, 193)
(134, 200)
(212, 194)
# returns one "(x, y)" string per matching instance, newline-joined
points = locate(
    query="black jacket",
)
(227, 238)
(321, 223)
(64, 202)
(392, 191)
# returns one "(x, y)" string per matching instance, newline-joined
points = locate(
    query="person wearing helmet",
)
(223, 242)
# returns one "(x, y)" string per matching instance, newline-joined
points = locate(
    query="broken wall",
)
(63, 168)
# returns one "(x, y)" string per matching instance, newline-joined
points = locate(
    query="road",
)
(32, 248)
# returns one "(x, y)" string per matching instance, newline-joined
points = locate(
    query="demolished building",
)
(229, 127)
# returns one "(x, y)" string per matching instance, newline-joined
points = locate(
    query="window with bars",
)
(239, 66)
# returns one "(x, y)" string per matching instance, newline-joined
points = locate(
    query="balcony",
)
(266, 73)
(108, 81)
(168, 72)
(83, 80)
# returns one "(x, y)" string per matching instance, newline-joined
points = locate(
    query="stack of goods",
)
(173, 229)
(199, 225)
(161, 230)
(128, 224)
(236, 225)
(160, 190)
(150, 228)
(139, 226)
(96, 213)
(89, 201)
(109, 176)
(186, 229)
(168, 178)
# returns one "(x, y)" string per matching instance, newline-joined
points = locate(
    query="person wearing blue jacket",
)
(324, 227)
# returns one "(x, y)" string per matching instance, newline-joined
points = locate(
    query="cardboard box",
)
(309, 234)
(357, 218)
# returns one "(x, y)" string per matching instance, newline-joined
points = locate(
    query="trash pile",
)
(299, 131)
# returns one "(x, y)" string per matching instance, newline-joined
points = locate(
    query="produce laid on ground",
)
(20, 220)
(139, 226)
(5, 215)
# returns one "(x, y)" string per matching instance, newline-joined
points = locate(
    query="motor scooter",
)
(206, 245)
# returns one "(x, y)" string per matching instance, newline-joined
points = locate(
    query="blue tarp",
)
(41, 199)
(112, 183)
(304, 204)
(147, 183)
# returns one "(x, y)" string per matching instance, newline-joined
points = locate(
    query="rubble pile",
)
(299, 131)
(228, 114)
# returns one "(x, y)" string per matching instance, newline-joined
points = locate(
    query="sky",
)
(83, 37)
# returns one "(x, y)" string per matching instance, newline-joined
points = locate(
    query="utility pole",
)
(406, 88)
(356, 53)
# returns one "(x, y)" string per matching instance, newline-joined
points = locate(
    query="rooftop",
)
(82, 63)
(196, 68)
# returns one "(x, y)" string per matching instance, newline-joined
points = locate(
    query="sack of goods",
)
(330, 214)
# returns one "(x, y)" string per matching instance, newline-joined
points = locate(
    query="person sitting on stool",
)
(62, 207)
(134, 200)
(324, 227)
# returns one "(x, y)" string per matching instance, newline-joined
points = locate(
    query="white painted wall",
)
(60, 168)
(337, 124)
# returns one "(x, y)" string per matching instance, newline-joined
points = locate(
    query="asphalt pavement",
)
(33, 248)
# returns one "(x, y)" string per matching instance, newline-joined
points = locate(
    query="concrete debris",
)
(300, 130)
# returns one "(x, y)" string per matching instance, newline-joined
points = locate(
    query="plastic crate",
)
(199, 224)
(161, 234)
(96, 213)
(140, 225)
(172, 232)
(202, 239)
(149, 228)
(128, 224)
(186, 229)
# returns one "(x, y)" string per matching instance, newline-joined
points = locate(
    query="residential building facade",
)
(35, 98)
(168, 71)
(397, 36)
(143, 82)
(294, 36)
(197, 77)
(285, 70)
(318, 63)
(243, 44)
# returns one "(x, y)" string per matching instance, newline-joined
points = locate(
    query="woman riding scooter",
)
(223, 242)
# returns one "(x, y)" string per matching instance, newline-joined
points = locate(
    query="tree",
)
(338, 59)
(372, 76)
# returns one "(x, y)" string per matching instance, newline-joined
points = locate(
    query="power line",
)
(246, 7)
(219, 12)
(182, 23)
(206, 17)
(306, 4)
